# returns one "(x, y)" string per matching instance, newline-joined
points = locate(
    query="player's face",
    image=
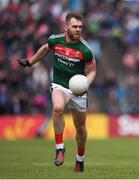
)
(74, 29)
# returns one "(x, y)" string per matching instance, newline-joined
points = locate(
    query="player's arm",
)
(42, 51)
(91, 71)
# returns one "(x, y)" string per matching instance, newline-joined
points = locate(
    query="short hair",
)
(73, 15)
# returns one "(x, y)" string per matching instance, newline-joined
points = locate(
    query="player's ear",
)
(65, 27)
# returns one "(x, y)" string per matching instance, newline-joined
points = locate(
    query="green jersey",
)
(70, 59)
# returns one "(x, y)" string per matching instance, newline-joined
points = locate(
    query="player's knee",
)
(58, 111)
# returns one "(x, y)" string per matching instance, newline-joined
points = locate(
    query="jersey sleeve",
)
(51, 41)
(88, 56)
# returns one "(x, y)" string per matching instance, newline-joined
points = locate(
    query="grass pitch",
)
(34, 159)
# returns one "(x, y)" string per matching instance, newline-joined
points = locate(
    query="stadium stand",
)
(111, 28)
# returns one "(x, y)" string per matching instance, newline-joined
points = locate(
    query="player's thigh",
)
(79, 118)
(59, 98)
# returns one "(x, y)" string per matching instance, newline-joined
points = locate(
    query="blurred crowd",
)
(111, 27)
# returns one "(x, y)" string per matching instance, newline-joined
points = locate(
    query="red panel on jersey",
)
(69, 52)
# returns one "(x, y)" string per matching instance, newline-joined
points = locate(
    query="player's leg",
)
(79, 119)
(59, 101)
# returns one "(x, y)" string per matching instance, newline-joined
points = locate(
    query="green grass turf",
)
(113, 158)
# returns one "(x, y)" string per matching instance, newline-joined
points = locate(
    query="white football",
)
(78, 84)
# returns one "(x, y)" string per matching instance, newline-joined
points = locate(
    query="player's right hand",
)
(24, 62)
(80, 94)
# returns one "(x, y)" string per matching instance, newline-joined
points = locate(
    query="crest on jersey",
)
(77, 54)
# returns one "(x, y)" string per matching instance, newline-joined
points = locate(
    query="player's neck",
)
(69, 40)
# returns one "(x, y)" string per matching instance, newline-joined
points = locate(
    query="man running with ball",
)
(72, 55)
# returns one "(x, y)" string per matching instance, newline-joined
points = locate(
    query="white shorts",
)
(79, 103)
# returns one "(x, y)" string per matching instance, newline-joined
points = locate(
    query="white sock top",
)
(79, 158)
(60, 146)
